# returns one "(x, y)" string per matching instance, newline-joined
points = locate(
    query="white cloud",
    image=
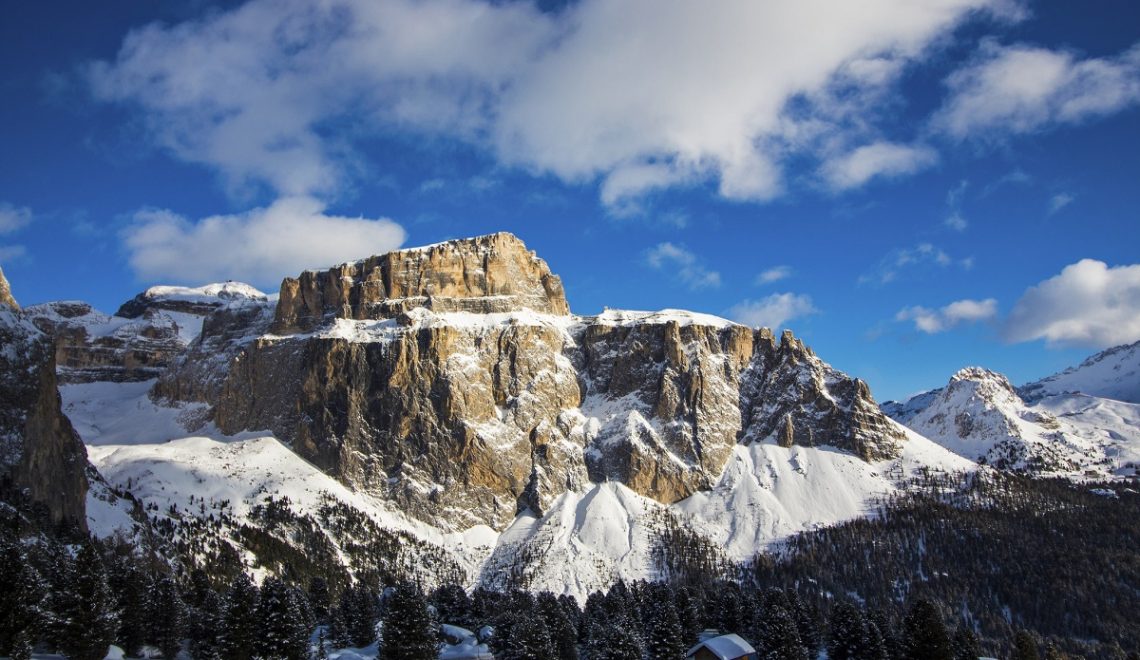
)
(774, 274)
(1020, 89)
(956, 222)
(772, 311)
(881, 159)
(9, 253)
(923, 255)
(683, 264)
(932, 321)
(636, 94)
(13, 218)
(260, 246)
(1060, 201)
(1087, 304)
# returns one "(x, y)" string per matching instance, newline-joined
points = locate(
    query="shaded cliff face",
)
(494, 273)
(792, 397)
(41, 456)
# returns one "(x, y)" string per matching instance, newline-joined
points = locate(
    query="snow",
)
(725, 646)
(767, 492)
(1110, 374)
(209, 293)
(619, 317)
(979, 415)
(106, 413)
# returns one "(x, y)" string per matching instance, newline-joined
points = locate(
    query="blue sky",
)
(910, 187)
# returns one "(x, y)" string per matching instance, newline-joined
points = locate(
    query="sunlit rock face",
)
(453, 380)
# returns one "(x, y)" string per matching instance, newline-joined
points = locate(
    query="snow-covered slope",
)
(979, 415)
(1110, 374)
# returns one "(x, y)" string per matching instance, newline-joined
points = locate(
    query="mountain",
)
(981, 416)
(442, 408)
(43, 463)
(1110, 374)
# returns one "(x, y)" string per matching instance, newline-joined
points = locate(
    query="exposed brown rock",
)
(494, 273)
(6, 292)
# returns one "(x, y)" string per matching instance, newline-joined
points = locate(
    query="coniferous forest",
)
(998, 566)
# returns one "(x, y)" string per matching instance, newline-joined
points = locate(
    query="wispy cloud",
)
(881, 159)
(683, 265)
(1060, 201)
(923, 255)
(1021, 89)
(13, 218)
(932, 321)
(774, 274)
(773, 311)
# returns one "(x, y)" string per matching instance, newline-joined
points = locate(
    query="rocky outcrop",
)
(91, 346)
(494, 273)
(197, 301)
(6, 292)
(42, 460)
(793, 397)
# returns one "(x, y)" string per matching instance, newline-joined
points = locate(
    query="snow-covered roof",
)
(727, 647)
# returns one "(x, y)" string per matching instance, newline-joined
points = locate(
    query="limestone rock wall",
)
(494, 273)
(42, 459)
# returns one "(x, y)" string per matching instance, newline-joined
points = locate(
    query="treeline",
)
(991, 565)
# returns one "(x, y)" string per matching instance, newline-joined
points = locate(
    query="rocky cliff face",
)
(793, 397)
(494, 273)
(6, 292)
(42, 459)
(473, 394)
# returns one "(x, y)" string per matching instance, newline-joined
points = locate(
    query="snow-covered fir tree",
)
(409, 633)
(282, 630)
(239, 633)
(925, 633)
(87, 623)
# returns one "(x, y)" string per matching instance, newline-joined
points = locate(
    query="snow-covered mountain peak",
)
(199, 301)
(987, 387)
(1111, 374)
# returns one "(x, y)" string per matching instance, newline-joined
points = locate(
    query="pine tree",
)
(281, 625)
(1025, 646)
(166, 614)
(608, 641)
(925, 635)
(688, 615)
(847, 629)
(409, 632)
(359, 612)
(663, 627)
(320, 600)
(239, 633)
(563, 635)
(524, 638)
(807, 623)
(131, 585)
(966, 646)
(89, 623)
(452, 605)
(776, 637)
(1054, 653)
(21, 607)
(206, 626)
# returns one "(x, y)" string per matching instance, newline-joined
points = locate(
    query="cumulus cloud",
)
(635, 94)
(260, 246)
(683, 264)
(774, 274)
(932, 321)
(1020, 89)
(1087, 304)
(956, 222)
(923, 255)
(773, 311)
(13, 218)
(881, 159)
